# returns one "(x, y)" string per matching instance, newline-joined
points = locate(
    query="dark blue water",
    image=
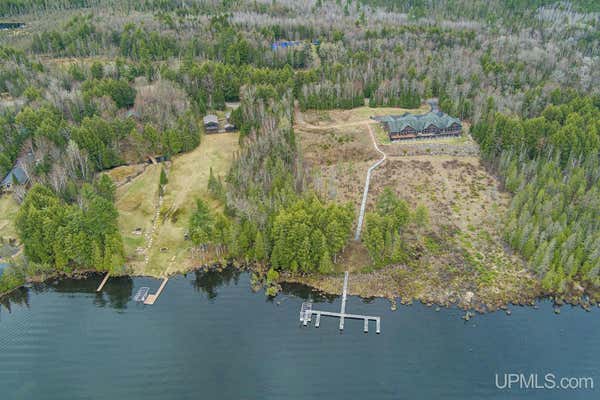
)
(210, 337)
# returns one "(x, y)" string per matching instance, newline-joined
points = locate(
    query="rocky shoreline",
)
(379, 285)
(371, 286)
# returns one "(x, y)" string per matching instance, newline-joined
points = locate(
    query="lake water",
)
(209, 337)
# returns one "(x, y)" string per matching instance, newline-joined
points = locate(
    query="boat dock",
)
(103, 282)
(306, 313)
(151, 298)
(141, 294)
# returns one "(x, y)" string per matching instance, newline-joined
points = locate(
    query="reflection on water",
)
(19, 297)
(307, 293)
(220, 340)
(116, 293)
(208, 281)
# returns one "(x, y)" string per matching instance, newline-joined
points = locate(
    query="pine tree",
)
(260, 252)
(325, 264)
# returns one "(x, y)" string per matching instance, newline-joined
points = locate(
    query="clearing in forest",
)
(461, 255)
(8, 232)
(138, 201)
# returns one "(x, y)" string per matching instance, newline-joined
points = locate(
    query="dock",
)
(306, 313)
(103, 282)
(141, 294)
(151, 298)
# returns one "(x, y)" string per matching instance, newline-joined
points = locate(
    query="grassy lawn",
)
(188, 180)
(136, 202)
(8, 213)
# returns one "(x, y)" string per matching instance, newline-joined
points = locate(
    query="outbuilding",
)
(16, 176)
(211, 123)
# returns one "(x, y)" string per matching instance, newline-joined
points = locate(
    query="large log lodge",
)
(410, 126)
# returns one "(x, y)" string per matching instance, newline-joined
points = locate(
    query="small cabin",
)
(211, 123)
(16, 176)
(229, 126)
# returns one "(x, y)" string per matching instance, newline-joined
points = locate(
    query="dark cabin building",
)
(229, 127)
(411, 126)
(16, 176)
(211, 123)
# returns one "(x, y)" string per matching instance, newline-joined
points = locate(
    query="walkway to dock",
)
(151, 298)
(306, 313)
(103, 282)
(363, 204)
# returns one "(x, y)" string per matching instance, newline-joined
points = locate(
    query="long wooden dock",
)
(306, 312)
(103, 282)
(151, 298)
(344, 298)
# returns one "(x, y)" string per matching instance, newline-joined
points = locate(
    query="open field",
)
(138, 201)
(356, 116)
(8, 232)
(461, 256)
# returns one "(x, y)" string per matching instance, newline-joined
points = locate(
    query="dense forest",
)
(90, 85)
(551, 164)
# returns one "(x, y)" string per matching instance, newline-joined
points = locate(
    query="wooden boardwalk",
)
(363, 204)
(103, 282)
(307, 311)
(151, 299)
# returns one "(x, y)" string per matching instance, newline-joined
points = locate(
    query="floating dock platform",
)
(141, 294)
(306, 313)
(151, 298)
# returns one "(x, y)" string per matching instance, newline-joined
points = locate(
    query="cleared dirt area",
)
(344, 118)
(461, 257)
(138, 204)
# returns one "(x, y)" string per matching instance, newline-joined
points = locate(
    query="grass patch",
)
(188, 181)
(136, 202)
(8, 213)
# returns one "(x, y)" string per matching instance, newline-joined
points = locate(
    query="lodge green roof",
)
(397, 123)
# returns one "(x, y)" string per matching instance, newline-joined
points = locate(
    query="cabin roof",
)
(210, 119)
(396, 123)
(19, 174)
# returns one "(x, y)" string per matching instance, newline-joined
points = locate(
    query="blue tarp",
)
(282, 44)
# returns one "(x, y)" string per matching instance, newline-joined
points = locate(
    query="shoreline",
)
(328, 285)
